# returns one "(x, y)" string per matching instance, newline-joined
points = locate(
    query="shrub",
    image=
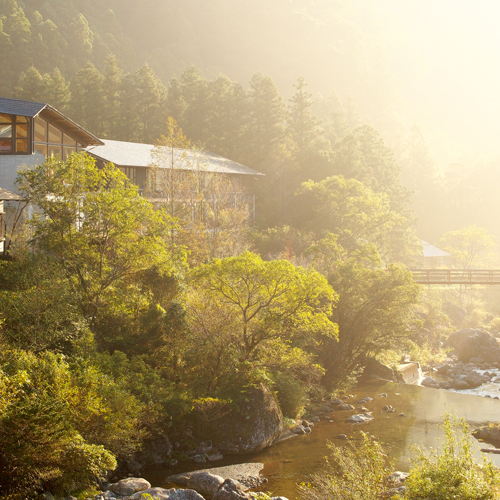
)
(453, 473)
(352, 472)
(40, 443)
(292, 395)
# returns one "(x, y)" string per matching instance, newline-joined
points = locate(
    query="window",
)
(14, 133)
(52, 142)
(131, 173)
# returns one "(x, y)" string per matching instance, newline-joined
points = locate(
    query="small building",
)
(30, 132)
(432, 256)
(137, 161)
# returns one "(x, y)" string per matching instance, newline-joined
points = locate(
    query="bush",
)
(352, 472)
(40, 443)
(292, 395)
(453, 473)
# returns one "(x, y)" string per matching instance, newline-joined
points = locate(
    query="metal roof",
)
(32, 109)
(432, 251)
(8, 195)
(21, 108)
(131, 154)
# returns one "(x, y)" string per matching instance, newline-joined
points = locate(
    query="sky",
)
(445, 57)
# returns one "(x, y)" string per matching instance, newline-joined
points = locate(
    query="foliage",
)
(452, 473)
(38, 307)
(471, 247)
(352, 472)
(374, 311)
(96, 225)
(291, 394)
(352, 211)
(39, 440)
(267, 298)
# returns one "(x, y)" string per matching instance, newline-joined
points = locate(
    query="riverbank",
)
(294, 460)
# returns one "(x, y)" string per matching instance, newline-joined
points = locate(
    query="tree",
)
(87, 100)
(470, 247)
(96, 225)
(351, 210)
(211, 209)
(375, 307)
(267, 118)
(268, 301)
(362, 155)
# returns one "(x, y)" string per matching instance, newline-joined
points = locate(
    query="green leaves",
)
(97, 226)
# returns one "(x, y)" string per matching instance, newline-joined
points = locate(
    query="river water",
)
(292, 461)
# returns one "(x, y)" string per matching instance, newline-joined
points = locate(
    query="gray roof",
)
(432, 251)
(131, 154)
(21, 108)
(8, 195)
(32, 109)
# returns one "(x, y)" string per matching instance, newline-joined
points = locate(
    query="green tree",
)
(266, 128)
(31, 85)
(351, 210)
(96, 225)
(41, 447)
(87, 101)
(470, 247)
(268, 300)
(375, 307)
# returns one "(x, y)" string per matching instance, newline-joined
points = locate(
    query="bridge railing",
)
(456, 276)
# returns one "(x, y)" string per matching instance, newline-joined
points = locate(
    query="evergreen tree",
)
(87, 101)
(31, 86)
(57, 91)
(267, 118)
(195, 94)
(227, 117)
(112, 88)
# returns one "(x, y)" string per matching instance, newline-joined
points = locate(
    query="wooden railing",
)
(456, 276)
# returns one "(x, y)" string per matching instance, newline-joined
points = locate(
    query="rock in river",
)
(360, 419)
(473, 343)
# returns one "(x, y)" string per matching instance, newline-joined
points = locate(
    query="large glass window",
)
(52, 142)
(14, 134)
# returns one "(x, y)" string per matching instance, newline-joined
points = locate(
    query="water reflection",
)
(292, 461)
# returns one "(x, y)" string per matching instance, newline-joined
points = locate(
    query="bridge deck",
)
(456, 276)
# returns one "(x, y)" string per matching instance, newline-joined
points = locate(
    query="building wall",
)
(11, 164)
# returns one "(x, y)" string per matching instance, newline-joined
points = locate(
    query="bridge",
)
(456, 276)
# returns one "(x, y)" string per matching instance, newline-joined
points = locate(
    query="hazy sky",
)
(445, 54)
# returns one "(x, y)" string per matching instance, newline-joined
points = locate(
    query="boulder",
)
(204, 483)
(475, 379)
(170, 494)
(247, 474)
(472, 343)
(430, 382)
(364, 400)
(345, 407)
(300, 429)
(489, 433)
(244, 428)
(376, 370)
(129, 486)
(398, 477)
(360, 419)
(459, 384)
(231, 490)
(156, 452)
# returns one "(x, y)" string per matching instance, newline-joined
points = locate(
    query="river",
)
(292, 461)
